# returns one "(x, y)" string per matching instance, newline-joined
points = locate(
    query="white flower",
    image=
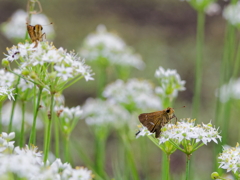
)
(64, 72)
(21, 165)
(18, 21)
(99, 112)
(232, 13)
(230, 159)
(170, 82)
(229, 90)
(9, 136)
(5, 142)
(108, 48)
(213, 9)
(186, 130)
(32, 151)
(26, 163)
(81, 173)
(4, 91)
(143, 132)
(133, 95)
(7, 79)
(57, 62)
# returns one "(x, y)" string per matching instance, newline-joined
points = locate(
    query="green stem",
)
(199, 59)
(1, 103)
(129, 156)
(32, 139)
(13, 107)
(66, 146)
(56, 129)
(237, 63)
(102, 81)
(100, 149)
(23, 124)
(48, 138)
(188, 167)
(165, 166)
(220, 107)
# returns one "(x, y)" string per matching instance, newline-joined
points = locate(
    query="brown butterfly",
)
(35, 33)
(156, 120)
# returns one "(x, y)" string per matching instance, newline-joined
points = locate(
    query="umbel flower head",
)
(26, 163)
(170, 82)
(18, 21)
(101, 113)
(106, 48)
(133, 95)
(230, 159)
(47, 66)
(186, 134)
(229, 91)
(232, 14)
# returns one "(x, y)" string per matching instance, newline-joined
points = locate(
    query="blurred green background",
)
(163, 33)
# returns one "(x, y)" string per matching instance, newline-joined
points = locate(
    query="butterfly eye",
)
(41, 28)
(168, 110)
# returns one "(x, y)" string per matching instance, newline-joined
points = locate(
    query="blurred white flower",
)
(32, 151)
(232, 13)
(18, 21)
(5, 143)
(5, 91)
(21, 165)
(170, 82)
(107, 48)
(228, 91)
(133, 95)
(7, 79)
(26, 163)
(17, 120)
(81, 173)
(213, 9)
(230, 159)
(99, 112)
(68, 117)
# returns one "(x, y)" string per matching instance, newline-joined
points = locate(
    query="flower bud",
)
(215, 175)
(5, 62)
(25, 72)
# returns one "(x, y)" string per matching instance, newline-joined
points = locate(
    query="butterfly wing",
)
(153, 121)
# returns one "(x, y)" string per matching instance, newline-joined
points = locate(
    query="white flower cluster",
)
(228, 91)
(232, 14)
(230, 159)
(133, 95)
(186, 130)
(18, 21)
(99, 112)
(170, 82)
(66, 65)
(68, 116)
(26, 163)
(5, 91)
(108, 48)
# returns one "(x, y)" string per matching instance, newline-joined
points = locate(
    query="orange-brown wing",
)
(153, 121)
(31, 32)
